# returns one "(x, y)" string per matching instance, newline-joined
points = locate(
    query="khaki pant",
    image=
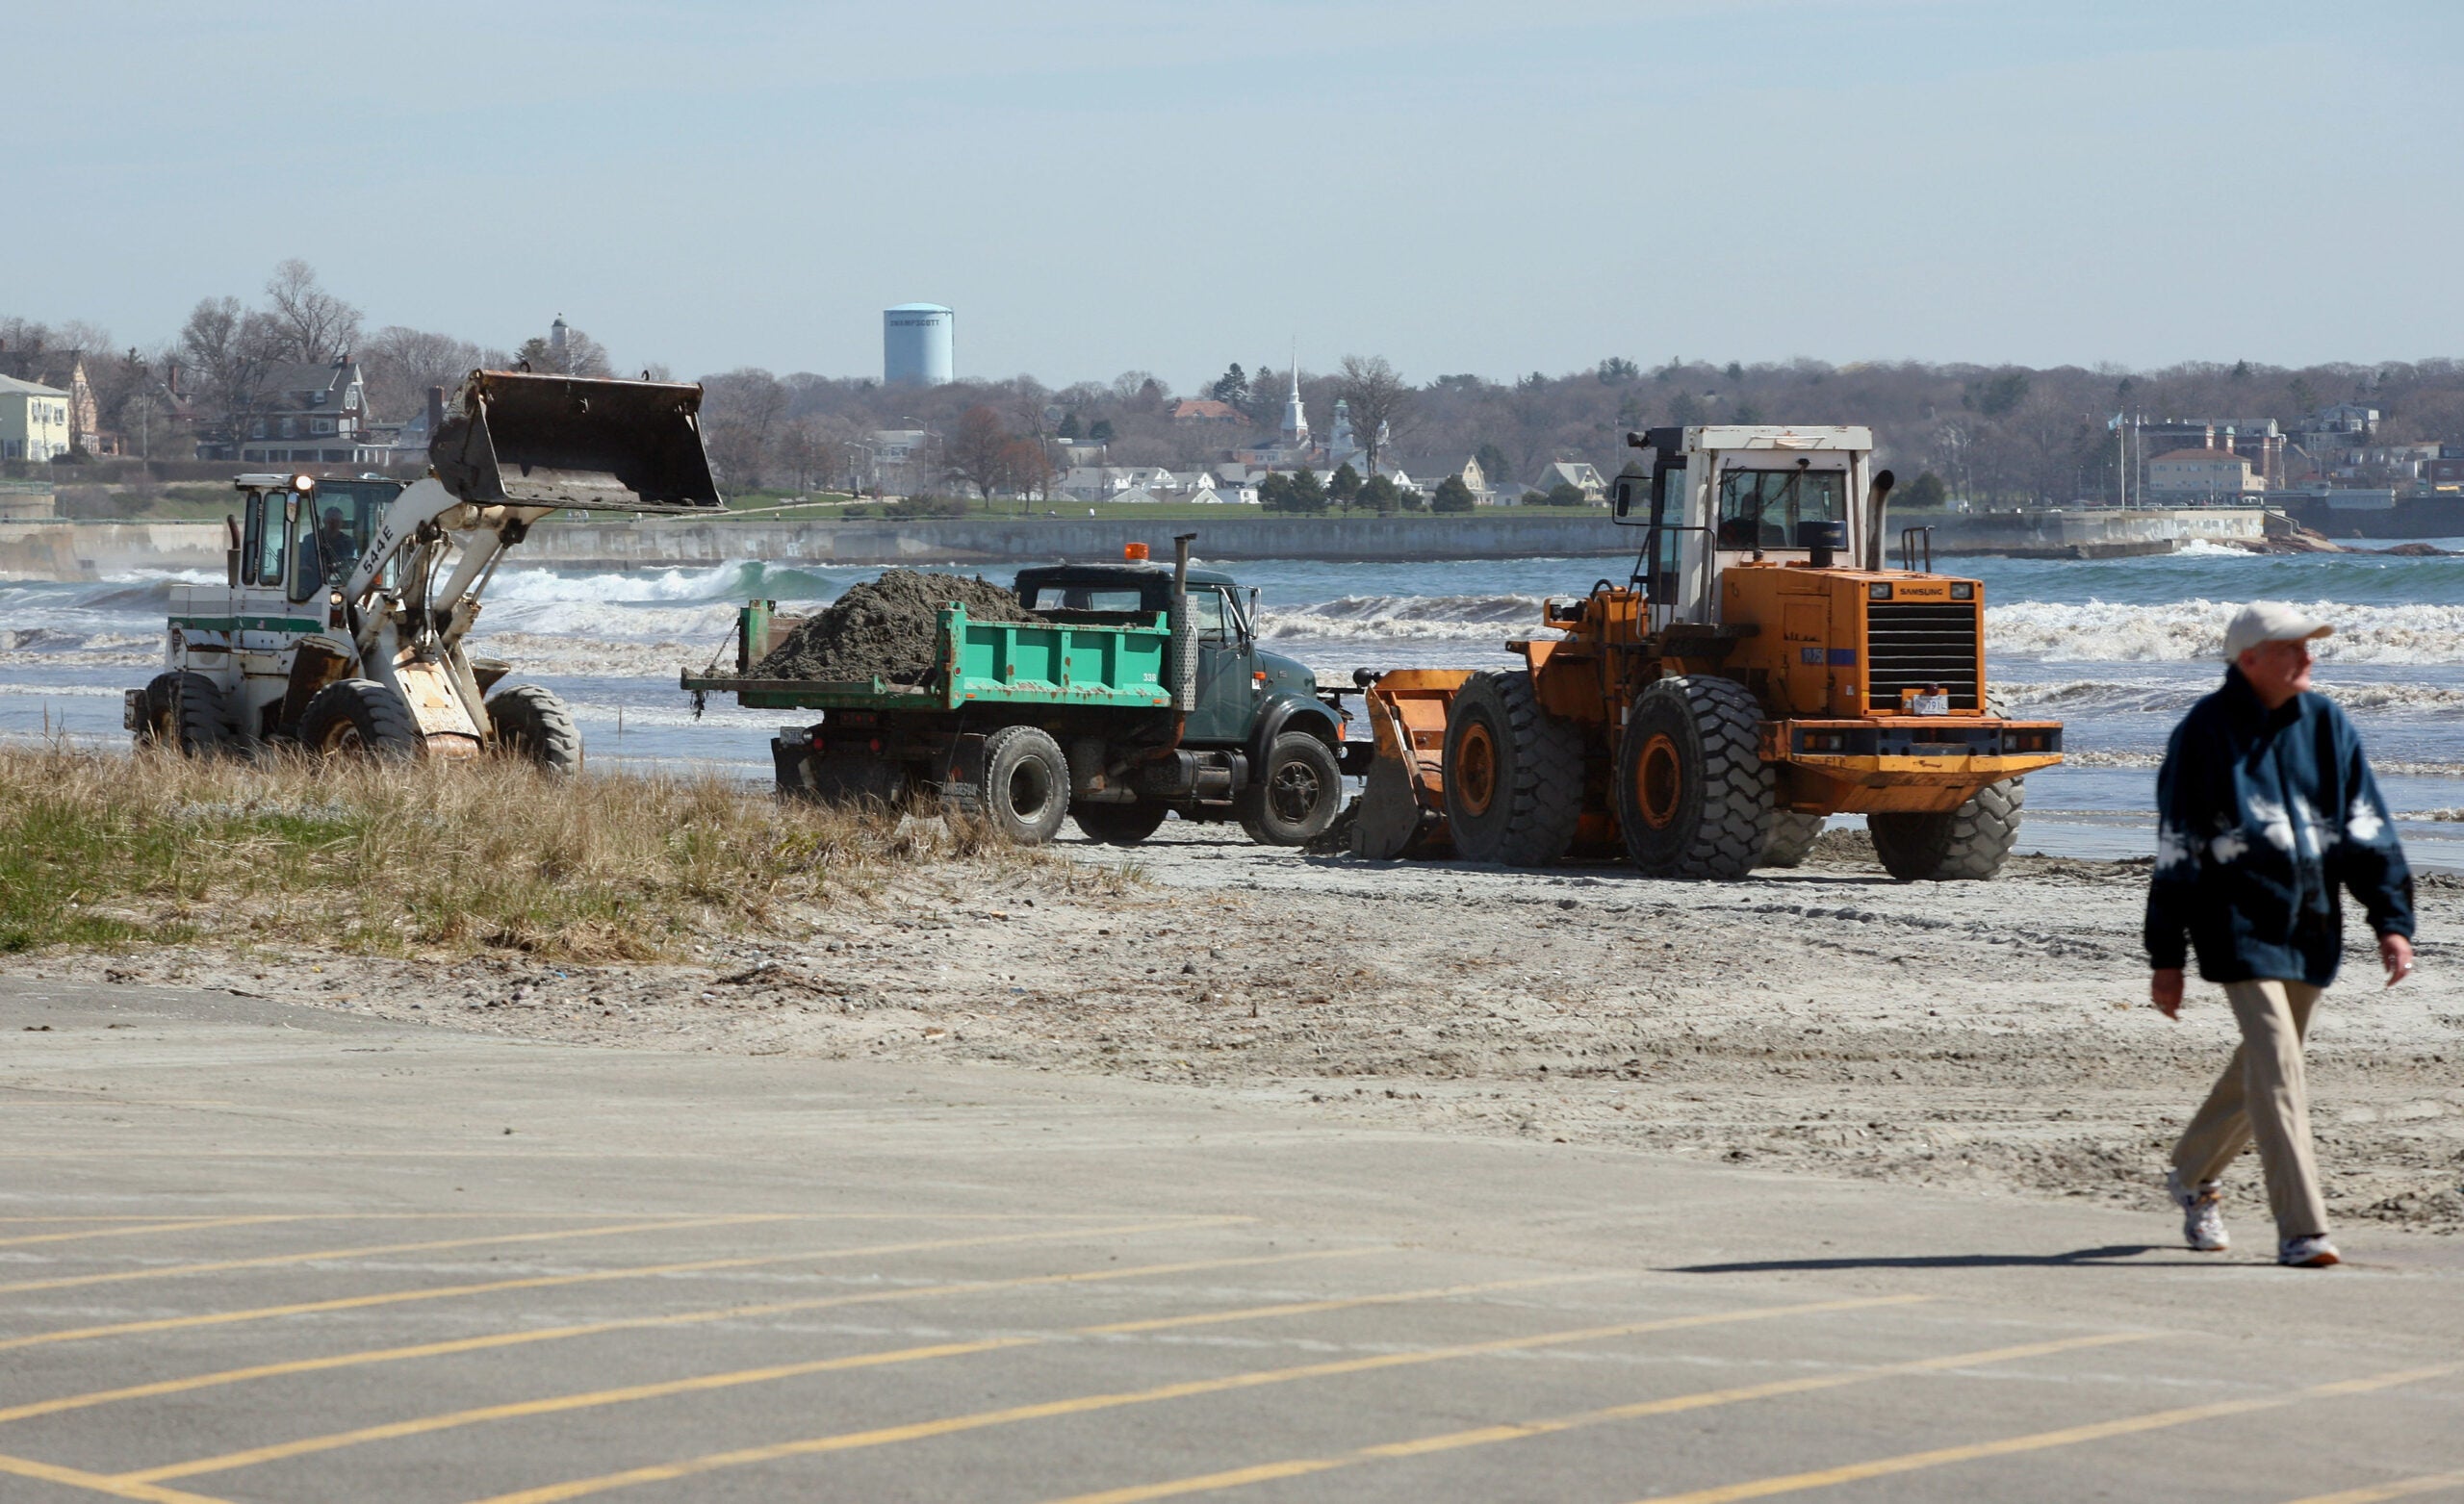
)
(2263, 1096)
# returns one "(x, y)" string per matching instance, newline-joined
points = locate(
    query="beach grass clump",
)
(109, 851)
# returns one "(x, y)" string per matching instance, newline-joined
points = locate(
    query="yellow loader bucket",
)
(528, 439)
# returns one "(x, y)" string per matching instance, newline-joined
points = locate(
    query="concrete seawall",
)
(979, 540)
(61, 550)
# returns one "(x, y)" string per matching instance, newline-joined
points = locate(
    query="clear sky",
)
(1458, 185)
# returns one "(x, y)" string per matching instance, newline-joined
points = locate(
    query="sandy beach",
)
(1993, 1038)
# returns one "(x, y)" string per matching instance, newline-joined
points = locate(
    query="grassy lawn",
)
(113, 852)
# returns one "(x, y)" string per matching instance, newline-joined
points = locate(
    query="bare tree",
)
(582, 356)
(1379, 399)
(401, 364)
(741, 410)
(978, 451)
(310, 323)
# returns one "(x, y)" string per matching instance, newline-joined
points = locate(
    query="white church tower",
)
(1295, 419)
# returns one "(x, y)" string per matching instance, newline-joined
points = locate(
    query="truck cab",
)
(1240, 685)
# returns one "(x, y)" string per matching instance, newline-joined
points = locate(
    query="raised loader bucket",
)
(528, 439)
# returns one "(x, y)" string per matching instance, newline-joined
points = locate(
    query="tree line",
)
(2005, 433)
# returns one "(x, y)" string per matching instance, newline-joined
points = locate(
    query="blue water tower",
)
(916, 344)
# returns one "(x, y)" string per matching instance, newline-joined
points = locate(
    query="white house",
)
(1583, 477)
(34, 420)
(2196, 474)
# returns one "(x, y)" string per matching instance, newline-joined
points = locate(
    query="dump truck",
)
(340, 624)
(1760, 670)
(1141, 692)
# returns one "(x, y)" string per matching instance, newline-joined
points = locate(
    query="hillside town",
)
(296, 381)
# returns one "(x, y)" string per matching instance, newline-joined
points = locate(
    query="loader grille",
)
(1913, 644)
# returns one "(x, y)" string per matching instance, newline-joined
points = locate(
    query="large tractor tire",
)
(1694, 798)
(1965, 845)
(1291, 800)
(360, 718)
(1513, 773)
(155, 726)
(1025, 791)
(196, 717)
(1118, 825)
(533, 722)
(1792, 839)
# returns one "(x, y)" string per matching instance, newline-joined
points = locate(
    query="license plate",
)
(1931, 704)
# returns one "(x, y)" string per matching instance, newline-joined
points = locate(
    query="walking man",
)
(2265, 808)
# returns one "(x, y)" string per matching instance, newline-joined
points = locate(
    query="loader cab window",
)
(1761, 508)
(274, 539)
(1664, 545)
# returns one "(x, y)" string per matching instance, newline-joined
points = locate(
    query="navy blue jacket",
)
(2261, 817)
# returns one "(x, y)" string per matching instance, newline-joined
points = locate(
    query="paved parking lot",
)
(254, 1253)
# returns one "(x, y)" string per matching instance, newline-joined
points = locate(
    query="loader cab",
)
(303, 535)
(1723, 497)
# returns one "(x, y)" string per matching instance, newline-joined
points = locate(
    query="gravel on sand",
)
(885, 627)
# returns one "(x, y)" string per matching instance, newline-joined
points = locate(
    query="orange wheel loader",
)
(1760, 670)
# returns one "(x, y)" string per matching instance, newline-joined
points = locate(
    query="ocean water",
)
(2116, 649)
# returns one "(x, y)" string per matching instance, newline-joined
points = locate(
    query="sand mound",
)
(885, 627)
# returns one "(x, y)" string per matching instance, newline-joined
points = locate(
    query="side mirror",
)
(1625, 498)
(1256, 624)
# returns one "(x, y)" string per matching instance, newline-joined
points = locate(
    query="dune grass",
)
(103, 849)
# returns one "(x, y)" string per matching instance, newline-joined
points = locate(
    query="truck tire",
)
(1792, 839)
(1513, 773)
(1025, 791)
(360, 718)
(196, 716)
(1694, 798)
(1295, 795)
(1118, 825)
(155, 726)
(533, 722)
(1965, 845)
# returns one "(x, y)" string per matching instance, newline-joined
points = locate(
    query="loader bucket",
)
(526, 439)
(1402, 805)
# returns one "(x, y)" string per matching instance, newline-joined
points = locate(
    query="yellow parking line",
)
(1516, 1431)
(1083, 1404)
(699, 1383)
(136, 1230)
(274, 1260)
(2041, 1440)
(76, 1478)
(555, 1281)
(2400, 1488)
(528, 1335)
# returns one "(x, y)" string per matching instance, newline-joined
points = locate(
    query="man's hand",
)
(2166, 988)
(2395, 953)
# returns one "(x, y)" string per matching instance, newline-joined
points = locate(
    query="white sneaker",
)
(2202, 1213)
(2312, 1252)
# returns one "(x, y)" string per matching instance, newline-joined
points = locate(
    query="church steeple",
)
(1295, 417)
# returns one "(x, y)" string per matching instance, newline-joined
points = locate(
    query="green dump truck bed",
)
(976, 662)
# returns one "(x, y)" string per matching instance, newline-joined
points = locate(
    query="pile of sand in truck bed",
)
(885, 627)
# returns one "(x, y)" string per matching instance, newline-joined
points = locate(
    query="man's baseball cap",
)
(2270, 622)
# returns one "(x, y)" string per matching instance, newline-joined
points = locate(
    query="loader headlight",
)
(303, 484)
(1879, 590)
(1962, 590)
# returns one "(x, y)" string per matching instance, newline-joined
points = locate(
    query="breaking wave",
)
(2094, 696)
(1408, 618)
(2100, 632)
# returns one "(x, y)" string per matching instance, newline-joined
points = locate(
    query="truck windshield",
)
(1761, 508)
(1083, 598)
